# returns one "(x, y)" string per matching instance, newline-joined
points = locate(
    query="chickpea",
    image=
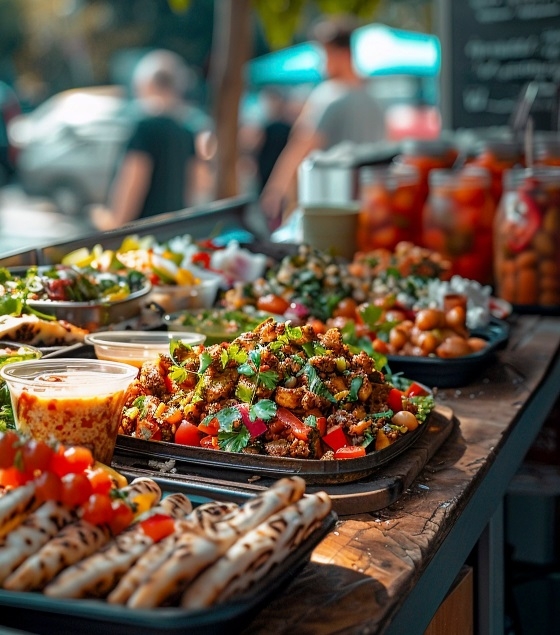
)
(453, 346)
(428, 319)
(397, 337)
(477, 344)
(406, 419)
(456, 318)
(427, 342)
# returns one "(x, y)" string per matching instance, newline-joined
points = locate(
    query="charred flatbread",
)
(30, 329)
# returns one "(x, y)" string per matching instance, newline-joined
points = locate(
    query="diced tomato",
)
(336, 438)
(350, 452)
(188, 434)
(322, 425)
(201, 258)
(416, 390)
(122, 516)
(10, 442)
(394, 399)
(299, 429)
(12, 477)
(272, 304)
(154, 279)
(98, 509)
(210, 442)
(48, 487)
(158, 526)
(347, 307)
(212, 427)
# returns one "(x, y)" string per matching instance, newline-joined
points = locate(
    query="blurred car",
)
(9, 108)
(69, 146)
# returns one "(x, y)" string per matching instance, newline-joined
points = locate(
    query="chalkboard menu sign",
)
(494, 50)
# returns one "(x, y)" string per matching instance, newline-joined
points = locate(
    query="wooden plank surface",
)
(361, 575)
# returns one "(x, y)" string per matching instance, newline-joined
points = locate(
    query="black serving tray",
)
(459, 371)
(214, 463)
(37, 613)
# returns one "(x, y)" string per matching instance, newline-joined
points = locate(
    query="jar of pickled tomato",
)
(390, 211)
(425, 156)
(547, 150)
(527, 238)
(458, 221)
(497, 157)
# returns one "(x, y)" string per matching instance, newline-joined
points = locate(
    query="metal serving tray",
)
(40, 614)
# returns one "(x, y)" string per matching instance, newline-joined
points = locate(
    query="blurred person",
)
(341, 108)
(155, 175)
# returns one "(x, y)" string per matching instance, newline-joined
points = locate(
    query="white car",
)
(70, 145)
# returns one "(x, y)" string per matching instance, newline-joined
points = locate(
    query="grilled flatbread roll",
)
(35, 531)
(72, 544)
(15, 505)
(199, 521)
(98, 574)
(255, 553)
(193, 553)
(30, 329)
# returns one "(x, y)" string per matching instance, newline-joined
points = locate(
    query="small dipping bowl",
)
(11, 352)
(137, 347)
(75, 401)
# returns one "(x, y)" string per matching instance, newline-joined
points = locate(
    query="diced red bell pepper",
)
(336, 438)
(299, 429)
(394, 399)
(158, 526)
(416, 390)
(350, 452)
(201, 258)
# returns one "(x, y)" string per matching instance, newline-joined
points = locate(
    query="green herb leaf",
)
(205, 361)
(234, 441)
(247, 370)
(269, 379)
(355, 386)
(264, 409)
(244, 393)
(315, 384)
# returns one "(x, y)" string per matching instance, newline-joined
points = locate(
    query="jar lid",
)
(427, 147)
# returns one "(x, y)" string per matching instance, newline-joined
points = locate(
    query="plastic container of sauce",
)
(390, 210)
(527, 239)
(458, 221)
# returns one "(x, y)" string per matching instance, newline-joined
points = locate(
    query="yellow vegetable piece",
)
(79, 258)
(186, 277)
(381, 440)
(118, 479)
(143, 502)
(130, 243)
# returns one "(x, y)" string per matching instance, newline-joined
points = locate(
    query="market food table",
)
(388, 571)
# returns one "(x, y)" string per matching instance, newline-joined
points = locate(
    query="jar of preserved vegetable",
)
(425, 156)
(390, 210)
(527, 238)
(547, 150)
(497, 157)
(459, 219)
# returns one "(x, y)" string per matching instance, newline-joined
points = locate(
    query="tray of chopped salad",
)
(276, 400)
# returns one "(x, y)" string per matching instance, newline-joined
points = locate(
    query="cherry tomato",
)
(272, 304)
(187, 434)
(210, 442)
(122, 516)
(158, 526)
(10, 442)
(48, 487)
(79, 458)
(76, 489)
(347, 307)
(394, 399)
(317, 325)
(350, 452)
(59, 463)
(12, 477)
(101, 482)
(36, 456)
(98, 509)
(201, 258)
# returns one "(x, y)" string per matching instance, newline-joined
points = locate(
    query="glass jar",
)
(497, 157)
(390, 210)
(426, 156)
(527, 238)
(459, 219)
(547, 150)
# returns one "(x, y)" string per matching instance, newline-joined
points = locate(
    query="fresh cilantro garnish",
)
(234, 441)
(355, 386)
(264, 409)
(315, 384)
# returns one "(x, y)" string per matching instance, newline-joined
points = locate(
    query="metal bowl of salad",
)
(84, 297)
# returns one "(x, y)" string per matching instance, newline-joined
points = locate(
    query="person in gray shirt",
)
(341, 108)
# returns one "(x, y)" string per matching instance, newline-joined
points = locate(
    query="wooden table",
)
(387, 572)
